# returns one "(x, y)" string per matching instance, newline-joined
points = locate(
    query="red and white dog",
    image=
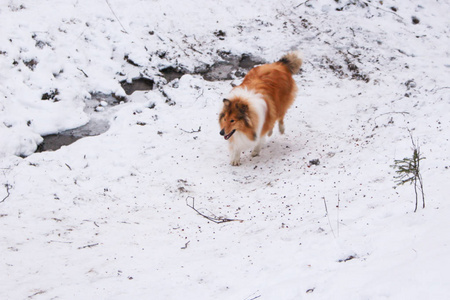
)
(251, 109)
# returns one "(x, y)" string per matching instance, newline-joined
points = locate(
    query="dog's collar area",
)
(229, 135)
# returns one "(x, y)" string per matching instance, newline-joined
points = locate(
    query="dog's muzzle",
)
(222, 132)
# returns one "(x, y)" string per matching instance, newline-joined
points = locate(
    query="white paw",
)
(255, 152)
(236, 162)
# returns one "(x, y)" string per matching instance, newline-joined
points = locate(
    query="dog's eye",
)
(231, 121)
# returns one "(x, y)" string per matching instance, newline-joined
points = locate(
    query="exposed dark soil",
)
(137, 84)
(171, 73)
(229, 67)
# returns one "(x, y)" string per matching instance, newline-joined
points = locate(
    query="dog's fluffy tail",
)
(292, 60)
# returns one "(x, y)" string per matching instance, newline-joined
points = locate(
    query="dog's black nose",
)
(222, 132)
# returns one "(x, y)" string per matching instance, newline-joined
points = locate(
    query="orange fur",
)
(254, 106)
(275, 83)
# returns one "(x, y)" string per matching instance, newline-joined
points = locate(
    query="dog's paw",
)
(236, 162)
(255, 152)
(281, 128)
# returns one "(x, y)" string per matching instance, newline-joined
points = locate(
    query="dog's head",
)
(234, 117)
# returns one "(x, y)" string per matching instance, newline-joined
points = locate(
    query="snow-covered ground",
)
(109, 216)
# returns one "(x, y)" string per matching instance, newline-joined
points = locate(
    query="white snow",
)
(107, 217)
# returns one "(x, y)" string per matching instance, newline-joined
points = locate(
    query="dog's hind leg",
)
(258, 146)
(281, 125)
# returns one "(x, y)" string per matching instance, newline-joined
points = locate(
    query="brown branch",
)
(185, 245)
(303, 3)
(8, 187)
(88, 246)
(385, 10)
(212, 218)
(192, 131)
(84, 73)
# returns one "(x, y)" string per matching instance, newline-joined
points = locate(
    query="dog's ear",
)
(226, 102)
(242, 108)
(243, 114)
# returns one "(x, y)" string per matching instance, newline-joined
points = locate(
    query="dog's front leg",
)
(235, 154)
(235, 157)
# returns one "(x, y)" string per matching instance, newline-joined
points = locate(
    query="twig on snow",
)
(389, 113)
(337, 206)
(40, 292)
(124, 30)
(253, 297)
(63, 242)
(193, 49)
(440, 88)
(192, 131)
(185, 245)
(302, 4)
(84, 73)
(8, 187)
(88, 246)
(212, 218)
(201, 94)
(354, 35)
(385, 10)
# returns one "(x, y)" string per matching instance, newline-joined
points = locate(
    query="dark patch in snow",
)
(54, 142)
(130, 61)
(137, 84)
(352, 71)
(219, 71)
(51, 95)
(347, 259)
(220, 34)
(410, 84)
(98, 102)
(171, 73)
(31, 64)
(98, 98)
(314, 162)
(247, 61)
(415, 20)
(231, 66)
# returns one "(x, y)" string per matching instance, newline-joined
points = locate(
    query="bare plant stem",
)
(124, 30)
(339, 200)
(328, 216)
(8, 187)
(415, 192)
(213, 218)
